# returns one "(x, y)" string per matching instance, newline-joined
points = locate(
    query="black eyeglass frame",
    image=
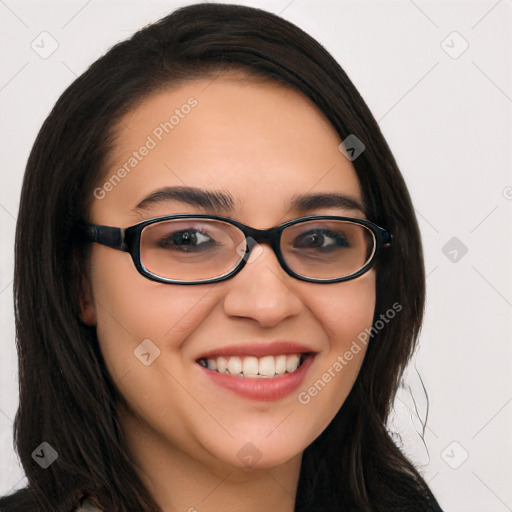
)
(128, 240)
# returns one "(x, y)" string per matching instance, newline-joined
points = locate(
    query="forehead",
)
(261, 142)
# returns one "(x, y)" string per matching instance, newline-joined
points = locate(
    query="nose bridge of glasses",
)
(261, 236)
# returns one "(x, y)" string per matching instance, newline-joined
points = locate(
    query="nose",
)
(262, 290)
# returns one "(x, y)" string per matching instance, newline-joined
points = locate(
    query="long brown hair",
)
(67, 398)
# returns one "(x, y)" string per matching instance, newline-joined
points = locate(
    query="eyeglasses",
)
(195, 249)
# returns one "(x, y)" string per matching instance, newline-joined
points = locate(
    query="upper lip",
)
(262, 349)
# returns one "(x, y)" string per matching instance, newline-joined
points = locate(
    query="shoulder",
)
(19, 501)
(23, 501)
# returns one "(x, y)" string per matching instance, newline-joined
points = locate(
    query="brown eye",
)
(187, 241)
(321, 239)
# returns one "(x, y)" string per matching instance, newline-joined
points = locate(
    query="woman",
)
(219, 279)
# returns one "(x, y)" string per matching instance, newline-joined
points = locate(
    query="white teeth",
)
(253, 367)
(250, 366)
(280, 363)
(222, 364)
(292, 362)
(235, 365)
(267, 366)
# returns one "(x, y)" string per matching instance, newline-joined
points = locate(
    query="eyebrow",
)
(308, 202)
(207, 199)
(218, 201)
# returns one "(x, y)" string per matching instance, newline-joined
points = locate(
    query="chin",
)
(258, 455)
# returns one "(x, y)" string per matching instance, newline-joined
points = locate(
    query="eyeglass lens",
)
(199, 249)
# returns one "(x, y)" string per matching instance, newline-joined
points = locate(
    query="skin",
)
(263, 144)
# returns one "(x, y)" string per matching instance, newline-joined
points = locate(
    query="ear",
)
(87, 309)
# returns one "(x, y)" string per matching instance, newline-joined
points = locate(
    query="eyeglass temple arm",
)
(387, 237)
(106, 235)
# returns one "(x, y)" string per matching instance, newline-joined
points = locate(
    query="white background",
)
(448, 122)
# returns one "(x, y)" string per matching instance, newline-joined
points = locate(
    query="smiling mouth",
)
(266, 367)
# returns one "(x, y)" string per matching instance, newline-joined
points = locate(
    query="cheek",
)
(142, 327)
(344, 311)
(131, 309)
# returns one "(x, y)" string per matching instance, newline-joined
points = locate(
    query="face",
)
(263, 146)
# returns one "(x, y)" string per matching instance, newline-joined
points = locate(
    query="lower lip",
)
(261, 389)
